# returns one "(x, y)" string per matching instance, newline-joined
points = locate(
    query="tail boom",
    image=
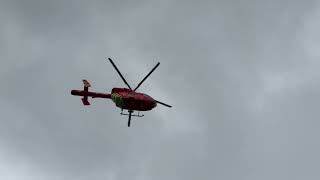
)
(90, 94)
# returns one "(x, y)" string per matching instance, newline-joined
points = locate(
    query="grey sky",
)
(242, 76)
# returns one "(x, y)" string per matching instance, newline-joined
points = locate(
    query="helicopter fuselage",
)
(126, 99)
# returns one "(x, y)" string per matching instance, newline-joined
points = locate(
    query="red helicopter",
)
(124, 98)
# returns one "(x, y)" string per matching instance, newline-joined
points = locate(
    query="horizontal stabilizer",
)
(85, 101)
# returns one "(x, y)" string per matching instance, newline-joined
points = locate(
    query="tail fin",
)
(85, 93)
(86, 86)
(85, 101)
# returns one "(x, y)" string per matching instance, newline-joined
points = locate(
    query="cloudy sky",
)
(242, 76)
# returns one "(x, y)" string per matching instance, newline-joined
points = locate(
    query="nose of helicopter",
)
(154, 104)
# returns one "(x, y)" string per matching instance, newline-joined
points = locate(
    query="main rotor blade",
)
(124, 80)
(163, 104)
(146, 76)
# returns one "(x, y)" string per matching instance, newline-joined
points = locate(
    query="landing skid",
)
(135, 115)
(130, 114)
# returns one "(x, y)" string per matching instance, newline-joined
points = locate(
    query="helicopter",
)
(124, 98)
